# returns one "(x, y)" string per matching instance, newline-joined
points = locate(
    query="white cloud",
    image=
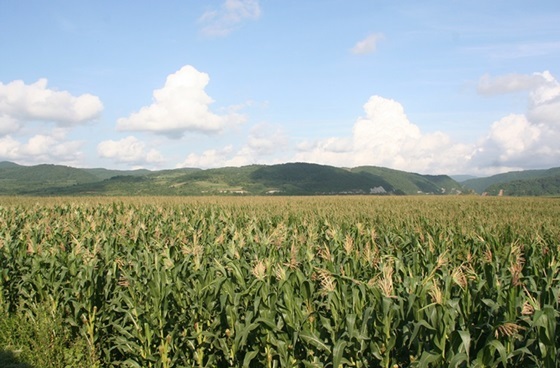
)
(544, 101)
(385, 137)
(488, 85)
(180, 106)
(213, 158)
(42, 148)
(368, 44)
(128, 150)
(8, 124)
(507, 143)
(266, 139)
(525, 141)
(21, 103)
(264, 143)
(229, 17)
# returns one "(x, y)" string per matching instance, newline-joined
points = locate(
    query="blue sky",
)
(448, 87)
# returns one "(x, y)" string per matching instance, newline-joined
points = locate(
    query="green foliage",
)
(284, 282)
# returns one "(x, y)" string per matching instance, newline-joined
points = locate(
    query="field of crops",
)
(286, 282)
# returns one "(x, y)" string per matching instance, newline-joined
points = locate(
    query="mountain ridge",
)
(293, 178)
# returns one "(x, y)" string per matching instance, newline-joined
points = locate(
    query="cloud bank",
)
(43, 148)
(180, 106)
(263, 145)
(384, 136)
(24, 104)
(129, 150)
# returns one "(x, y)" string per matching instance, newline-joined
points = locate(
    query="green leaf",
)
(500, 348)
(466, 338)
(312, 339)
(249, 357)
(458, 359)
(338, 353)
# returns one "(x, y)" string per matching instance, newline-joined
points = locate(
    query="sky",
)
(434, 87)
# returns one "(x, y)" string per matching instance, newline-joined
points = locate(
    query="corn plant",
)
(289, 282)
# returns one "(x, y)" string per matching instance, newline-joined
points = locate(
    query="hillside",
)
(17, 179)
(284, 179)
(462, 178)
(302, 178)
(412, 183)
(481, 185)
(103, 174)
(545, 186)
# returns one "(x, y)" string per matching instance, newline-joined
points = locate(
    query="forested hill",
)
(283, 179)
(546, 186)
(529, 182)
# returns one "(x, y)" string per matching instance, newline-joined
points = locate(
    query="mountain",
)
(285, 179)
(481, 185)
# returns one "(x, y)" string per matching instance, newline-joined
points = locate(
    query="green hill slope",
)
(546, 186)
(103, 174)
(412, 183)
(481, 185)
(304, 178)
(8, 164)
(16, 179)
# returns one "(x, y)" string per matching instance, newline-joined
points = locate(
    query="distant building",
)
(377, 190)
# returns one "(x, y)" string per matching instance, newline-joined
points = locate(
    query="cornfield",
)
(290, 282)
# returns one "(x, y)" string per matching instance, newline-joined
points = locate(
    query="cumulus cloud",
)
(386, 137)
(180, 106)
(544, 101)
(42, 148)
(368, 44)
(128, 150)
(229, 17)
(263, 143)
(507, 143)
(20, 103)
(8, 124)
(528, 140)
